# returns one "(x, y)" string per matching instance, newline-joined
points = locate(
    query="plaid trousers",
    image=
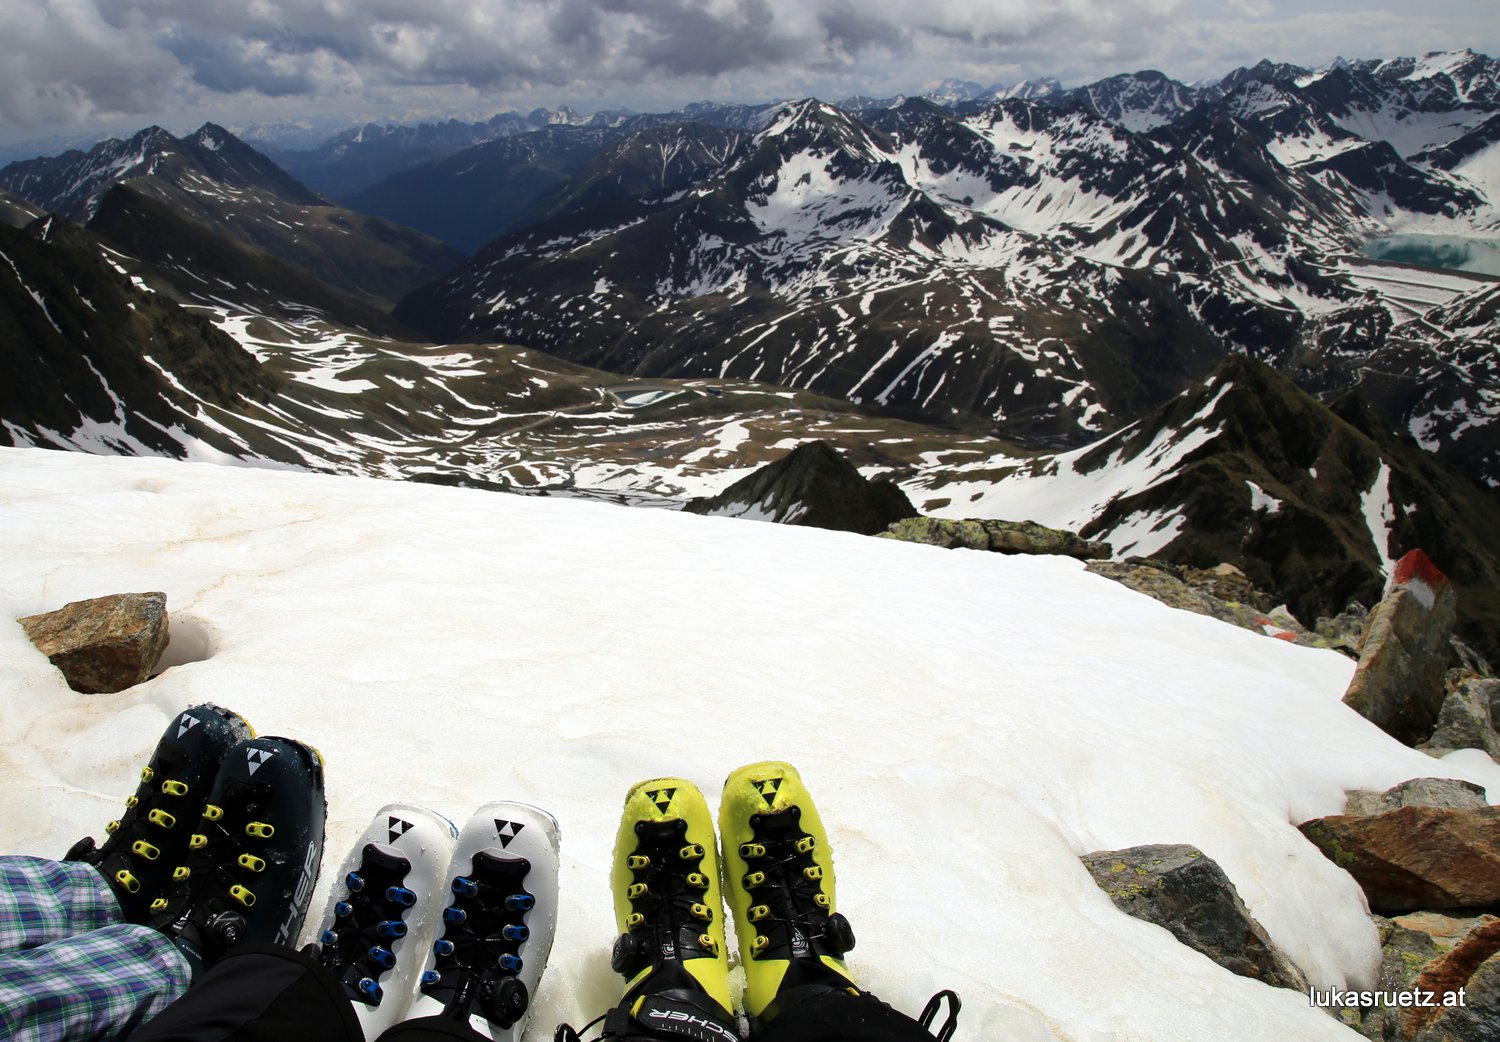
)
(70, 969)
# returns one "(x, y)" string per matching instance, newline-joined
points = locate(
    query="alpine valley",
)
(1139, 309)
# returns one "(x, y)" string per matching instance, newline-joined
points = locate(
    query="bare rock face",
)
(1416, 858)
(105, 644)
(1180, 888)
(1398, 684)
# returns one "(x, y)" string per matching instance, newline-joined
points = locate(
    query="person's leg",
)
(98, 985)
(839, 1016)
(42, 901)
(258, 993)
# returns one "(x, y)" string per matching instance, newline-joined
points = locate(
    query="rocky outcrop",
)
(1469, 971)
(105, 644)
(1192, 589)
(1416, 857)
(1451, 963)
(1006, 537)
(1181, 889)
(1345, 631)
(1467, 719)
(1398, 684)
(812, 485)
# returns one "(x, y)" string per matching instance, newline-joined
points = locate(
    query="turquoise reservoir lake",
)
(1438, 251)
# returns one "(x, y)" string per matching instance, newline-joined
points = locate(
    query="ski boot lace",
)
(357, 947)
(225, 861)
(478, 956)
(790, 911)
(668, 913)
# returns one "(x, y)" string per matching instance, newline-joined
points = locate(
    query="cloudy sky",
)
(72, 67)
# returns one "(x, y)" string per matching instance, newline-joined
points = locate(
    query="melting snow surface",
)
(451, 646)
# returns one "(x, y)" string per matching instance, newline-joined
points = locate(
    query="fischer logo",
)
(712, 1028)
(305, 880)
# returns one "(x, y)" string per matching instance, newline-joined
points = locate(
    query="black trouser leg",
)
(258, 993)
(841, 1017)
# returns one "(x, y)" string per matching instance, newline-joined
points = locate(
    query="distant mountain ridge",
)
(230, 188)
(1037, 267)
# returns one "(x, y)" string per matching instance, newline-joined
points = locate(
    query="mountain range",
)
(979, 299)
(1037, 269)
(216, 180)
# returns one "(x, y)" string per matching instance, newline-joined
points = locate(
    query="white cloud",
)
(81, 61)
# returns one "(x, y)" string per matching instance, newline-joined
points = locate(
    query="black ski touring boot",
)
(253, 860)
(150, 839)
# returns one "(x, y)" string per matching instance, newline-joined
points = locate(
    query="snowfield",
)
(969, 723)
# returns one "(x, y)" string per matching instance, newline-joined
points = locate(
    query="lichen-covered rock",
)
(1006, 537)
(1183, 890)
(105, 644)
(1415, 957)
(1398, 684)
(1464, 985)
(1345, 631)
(1466, 720)
(1159, 585)
(945, 532)
(1416, 858)
(1028, 537)
(1417, 792)
(1227, 583)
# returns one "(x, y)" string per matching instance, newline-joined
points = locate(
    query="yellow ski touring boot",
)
(779, 881)
(670, 914)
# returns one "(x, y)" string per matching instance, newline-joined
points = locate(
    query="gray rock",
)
(1346, 630)
(1398, 684)
(1178, 887)
(1467, 720)
(1472, 660)
(1403, 953)
(1417, 792)
(105, 644)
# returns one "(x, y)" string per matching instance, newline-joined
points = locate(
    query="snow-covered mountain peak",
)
(953, 91)
(1139, 101)
(1032, 89)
